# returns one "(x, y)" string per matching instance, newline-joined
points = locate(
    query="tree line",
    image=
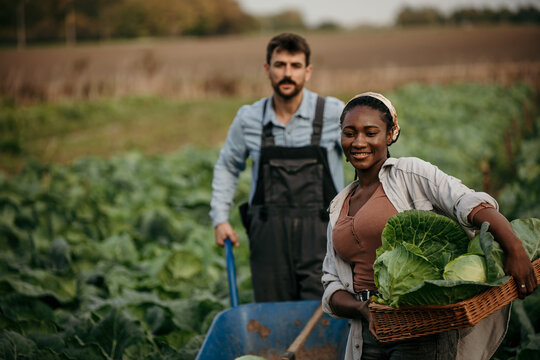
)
(23, 21)
(409, 16)
(37, 21)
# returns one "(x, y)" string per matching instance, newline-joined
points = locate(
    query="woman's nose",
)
(359, 140)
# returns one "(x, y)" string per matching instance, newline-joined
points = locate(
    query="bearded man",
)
(293, 138)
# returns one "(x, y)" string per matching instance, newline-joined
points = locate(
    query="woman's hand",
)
(517, 264)
(344, 304)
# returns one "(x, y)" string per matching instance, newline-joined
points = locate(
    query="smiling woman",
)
(385, 187)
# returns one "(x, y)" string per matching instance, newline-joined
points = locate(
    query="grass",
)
(59, 133)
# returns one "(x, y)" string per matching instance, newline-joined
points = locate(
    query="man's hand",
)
(223, 231)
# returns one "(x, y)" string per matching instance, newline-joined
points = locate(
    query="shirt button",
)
(346, 284)
(357, 346)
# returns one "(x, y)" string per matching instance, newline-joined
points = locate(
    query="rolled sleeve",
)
(470, 201)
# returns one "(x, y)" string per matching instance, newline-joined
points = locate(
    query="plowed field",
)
(343, 62)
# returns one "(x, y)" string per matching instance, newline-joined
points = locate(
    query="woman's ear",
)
(389, 138)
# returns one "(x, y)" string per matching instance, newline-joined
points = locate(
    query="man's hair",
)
(289, 42)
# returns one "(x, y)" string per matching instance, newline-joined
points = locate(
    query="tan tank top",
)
(356, 237)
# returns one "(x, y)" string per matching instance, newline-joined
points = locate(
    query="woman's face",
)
(365, 138)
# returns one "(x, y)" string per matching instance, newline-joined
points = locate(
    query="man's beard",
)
(291, 95)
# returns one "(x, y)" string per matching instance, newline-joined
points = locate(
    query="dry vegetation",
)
(344, 62)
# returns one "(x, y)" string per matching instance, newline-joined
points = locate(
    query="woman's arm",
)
(517, 261)
(331, 279)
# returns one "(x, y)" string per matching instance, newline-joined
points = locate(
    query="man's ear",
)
(309, 69)
(267, 69)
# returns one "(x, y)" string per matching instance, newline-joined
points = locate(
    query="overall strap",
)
(267, 138)
(318, 122)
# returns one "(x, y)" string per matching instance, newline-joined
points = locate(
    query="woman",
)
(383, 187)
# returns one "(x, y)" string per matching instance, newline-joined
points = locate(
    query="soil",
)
(256, 327)
(189, 68)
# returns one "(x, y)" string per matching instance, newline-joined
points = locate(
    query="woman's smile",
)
(360, 155)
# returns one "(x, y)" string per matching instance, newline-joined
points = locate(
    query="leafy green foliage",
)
(435, 237)
(469, 116)
(112, 259)
(101, 243)
(521, 341)
(427, 266)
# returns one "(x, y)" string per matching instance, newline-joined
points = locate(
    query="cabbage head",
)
(466, 267)
(437, 241)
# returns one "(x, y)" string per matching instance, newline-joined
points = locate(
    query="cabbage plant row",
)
(115, 259)
(110, 259)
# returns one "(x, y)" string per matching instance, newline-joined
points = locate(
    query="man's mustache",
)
(287, 80)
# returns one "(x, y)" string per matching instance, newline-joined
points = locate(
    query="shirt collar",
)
(304, 112)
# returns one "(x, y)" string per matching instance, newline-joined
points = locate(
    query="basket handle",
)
(231, 273)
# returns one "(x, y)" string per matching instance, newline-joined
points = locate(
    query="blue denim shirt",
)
(244, 140)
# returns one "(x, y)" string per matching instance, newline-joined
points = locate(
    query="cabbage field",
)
(114, 258)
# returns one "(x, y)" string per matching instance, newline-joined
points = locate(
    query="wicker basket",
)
(414, 321)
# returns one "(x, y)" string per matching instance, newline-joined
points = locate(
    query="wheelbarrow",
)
(272, 329)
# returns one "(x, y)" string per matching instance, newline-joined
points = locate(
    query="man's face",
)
(288, 73)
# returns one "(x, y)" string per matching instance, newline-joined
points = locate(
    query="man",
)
(293, 139)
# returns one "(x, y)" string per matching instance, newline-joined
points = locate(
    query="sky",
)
(350, 13)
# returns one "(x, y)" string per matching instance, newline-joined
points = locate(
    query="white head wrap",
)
(395, 129)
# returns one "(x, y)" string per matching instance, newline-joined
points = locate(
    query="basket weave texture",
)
(413, 321)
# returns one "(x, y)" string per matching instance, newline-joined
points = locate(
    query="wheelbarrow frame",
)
(267, 328)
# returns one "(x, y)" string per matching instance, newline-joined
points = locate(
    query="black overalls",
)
(289, 218)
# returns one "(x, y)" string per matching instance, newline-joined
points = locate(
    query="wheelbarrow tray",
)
(268, 329)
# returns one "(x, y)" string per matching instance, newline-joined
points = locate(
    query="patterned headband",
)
(395, 129)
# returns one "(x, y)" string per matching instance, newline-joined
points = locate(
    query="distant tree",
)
(70, 22)
(220, 17)
(135, 18)
(328, 26)
(424, 16)
(527, 15)
(21, 26)
(22, 21)
(286, 20)
(409, 16)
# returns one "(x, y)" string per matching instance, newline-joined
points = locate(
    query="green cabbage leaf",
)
(418, 245)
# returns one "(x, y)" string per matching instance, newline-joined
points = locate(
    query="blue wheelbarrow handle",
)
(231, 273)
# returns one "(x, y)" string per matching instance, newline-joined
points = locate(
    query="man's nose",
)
(288, 70)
